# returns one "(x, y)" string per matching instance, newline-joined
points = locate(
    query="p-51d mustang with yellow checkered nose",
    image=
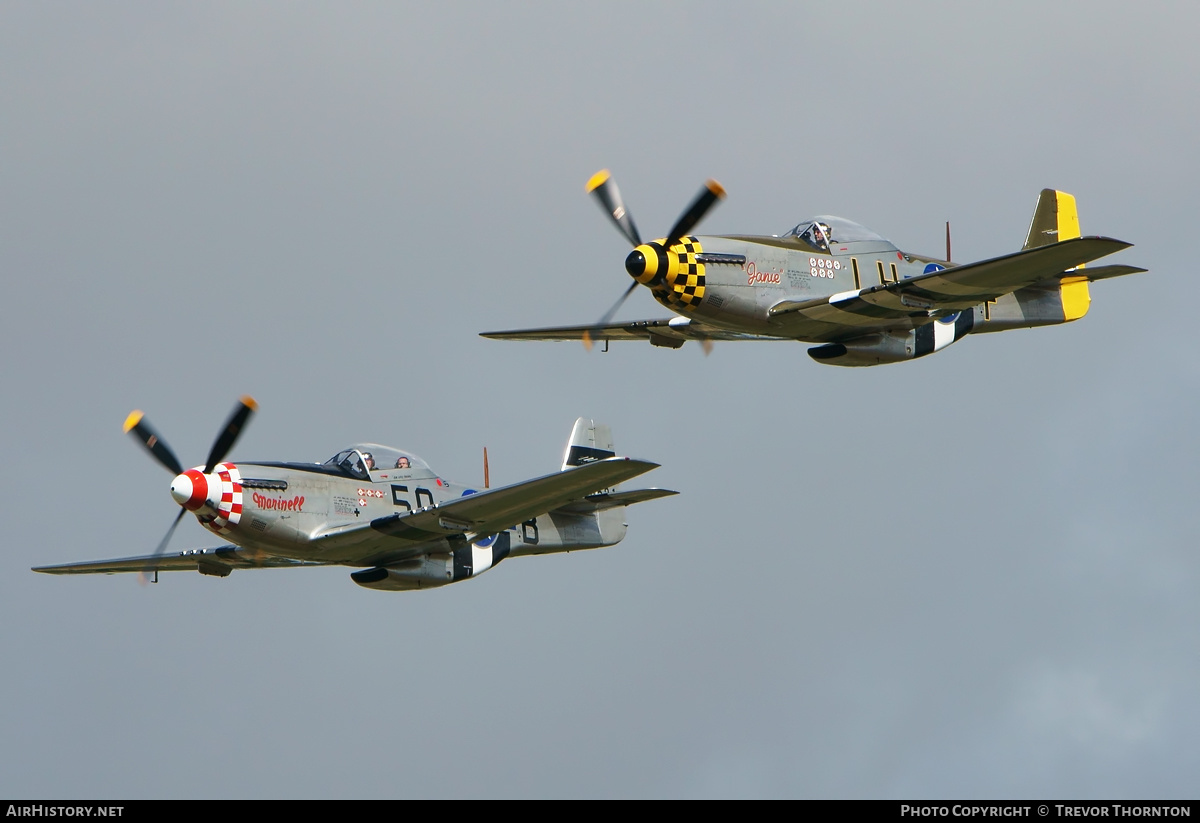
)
(383, 511)
(835, 283)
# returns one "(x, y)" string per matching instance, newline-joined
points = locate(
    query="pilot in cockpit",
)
(820, 235)
(369, 459)
(402, 462)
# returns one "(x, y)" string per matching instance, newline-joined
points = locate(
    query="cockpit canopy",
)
(366, 459)
(825, 230)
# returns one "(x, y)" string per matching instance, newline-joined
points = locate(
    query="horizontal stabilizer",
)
(1105, 272)
(600, 502)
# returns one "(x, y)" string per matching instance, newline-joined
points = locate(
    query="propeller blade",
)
(608, 315)
(145, 434)
(705, 200)
(487, 481)
(229, 434)
(948, 241)
(162, 545)
(609, 197)
(707, 345)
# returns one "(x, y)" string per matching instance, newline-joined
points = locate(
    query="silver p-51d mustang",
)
(382, 510)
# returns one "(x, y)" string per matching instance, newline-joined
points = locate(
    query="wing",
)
(486, 512)
(671, 333)
(219, 562)
(961, 287)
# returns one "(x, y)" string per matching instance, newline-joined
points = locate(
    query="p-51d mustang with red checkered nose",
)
(840, 285)
(382, 510)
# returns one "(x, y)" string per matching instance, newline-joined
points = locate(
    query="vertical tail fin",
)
(1056, 219)
(589, 441)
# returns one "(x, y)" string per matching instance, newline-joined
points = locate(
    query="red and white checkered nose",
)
(190, 489)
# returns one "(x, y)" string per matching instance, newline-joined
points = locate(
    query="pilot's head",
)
(402, 463)
(369, 459)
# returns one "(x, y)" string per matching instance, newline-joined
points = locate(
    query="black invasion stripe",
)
(462, 563)
(578, 455)
(924, 342)
(501, 547)
(964, 323)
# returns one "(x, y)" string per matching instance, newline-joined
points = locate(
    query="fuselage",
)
(732, 281)
(284, 510)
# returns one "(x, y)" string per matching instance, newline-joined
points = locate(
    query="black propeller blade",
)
(608, 315)
(142, 432)
(705, 200)
(229, 435)
(162, 544)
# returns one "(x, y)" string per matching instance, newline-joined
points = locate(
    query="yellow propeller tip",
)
(597, 180)
(587, 341)
(132, 420)
(716, 188)
(250, 402)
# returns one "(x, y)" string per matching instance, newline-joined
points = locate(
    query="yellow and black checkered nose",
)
(674, 275)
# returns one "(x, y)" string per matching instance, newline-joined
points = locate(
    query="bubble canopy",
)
(357, 459)
(836, 229)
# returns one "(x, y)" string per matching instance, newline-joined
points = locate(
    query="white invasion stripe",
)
(943, 335)
(843, 296)
(481, 560)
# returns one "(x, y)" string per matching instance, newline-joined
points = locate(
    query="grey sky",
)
(968, 576)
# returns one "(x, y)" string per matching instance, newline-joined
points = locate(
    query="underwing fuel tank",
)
(896, 346)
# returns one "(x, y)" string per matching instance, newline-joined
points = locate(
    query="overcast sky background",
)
(969, 576)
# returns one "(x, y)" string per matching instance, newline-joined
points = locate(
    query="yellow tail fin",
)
(1056, 219)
